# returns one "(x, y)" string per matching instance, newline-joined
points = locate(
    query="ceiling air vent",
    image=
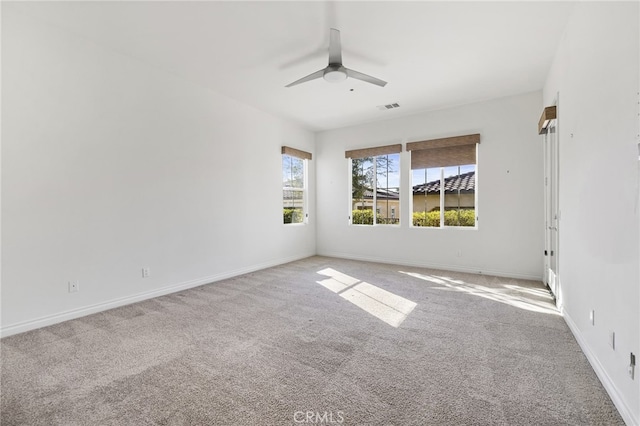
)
(389, 106)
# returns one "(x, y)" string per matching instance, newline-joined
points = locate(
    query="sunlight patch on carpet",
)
(530, 299)
(382, 304)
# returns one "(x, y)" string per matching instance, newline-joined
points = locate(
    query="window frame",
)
(305, 157)
(438, 144)
(373, 153)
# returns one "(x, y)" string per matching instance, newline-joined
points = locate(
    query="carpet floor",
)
(317, 341)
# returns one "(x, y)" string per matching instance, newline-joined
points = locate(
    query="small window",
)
(375, 186)
(443, 181)
(294, 185)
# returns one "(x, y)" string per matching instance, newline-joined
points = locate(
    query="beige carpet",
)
(356, 344)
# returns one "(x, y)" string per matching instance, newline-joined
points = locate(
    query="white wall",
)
(595, 77)
(509, 238)
(110, 165)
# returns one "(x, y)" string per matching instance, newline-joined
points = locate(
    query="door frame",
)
(552, 202)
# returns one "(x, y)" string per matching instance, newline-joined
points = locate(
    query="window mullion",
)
(426, 193)
(387, 189)
(458, 224)
(375, 190)
(442, 190)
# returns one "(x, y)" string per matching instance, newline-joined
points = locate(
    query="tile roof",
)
(465, 182)
(382, 194)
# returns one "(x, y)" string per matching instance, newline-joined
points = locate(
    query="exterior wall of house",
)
(433, 201)
(382, 205)
(389, 209)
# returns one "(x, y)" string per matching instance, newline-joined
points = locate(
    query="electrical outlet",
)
(74, 286)
(592, 317)
(146, 272)
(612, 340)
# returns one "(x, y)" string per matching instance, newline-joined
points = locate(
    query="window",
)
(375, 185)
(294, 185)
(443, 181)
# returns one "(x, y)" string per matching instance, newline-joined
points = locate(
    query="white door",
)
(552, 213)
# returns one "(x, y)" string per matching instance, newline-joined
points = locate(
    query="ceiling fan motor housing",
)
(335, 73)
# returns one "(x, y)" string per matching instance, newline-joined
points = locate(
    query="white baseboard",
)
(625, 411)
(114, 303)
(444, 267)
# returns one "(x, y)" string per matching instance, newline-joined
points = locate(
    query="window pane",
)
(426, 197)
(362, 191)
(293, 189)
(295, 172)
(459, 197)
(388, 189)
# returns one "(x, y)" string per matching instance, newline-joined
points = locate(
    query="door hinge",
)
(551, 252)
(546, 253)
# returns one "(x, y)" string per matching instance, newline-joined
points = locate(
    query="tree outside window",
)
(375, 184)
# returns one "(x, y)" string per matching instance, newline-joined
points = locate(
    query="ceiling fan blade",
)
(335, 48)
(364, 77)
(315, 75)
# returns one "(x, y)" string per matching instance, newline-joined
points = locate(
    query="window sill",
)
(459, 228)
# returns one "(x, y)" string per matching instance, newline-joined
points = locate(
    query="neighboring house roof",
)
(381, 194)
(465, 182)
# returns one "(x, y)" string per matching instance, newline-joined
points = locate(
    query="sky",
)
(418, 176)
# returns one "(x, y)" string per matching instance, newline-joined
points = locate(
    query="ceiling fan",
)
(335, 71)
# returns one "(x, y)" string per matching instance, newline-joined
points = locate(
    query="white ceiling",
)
(433, 54)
